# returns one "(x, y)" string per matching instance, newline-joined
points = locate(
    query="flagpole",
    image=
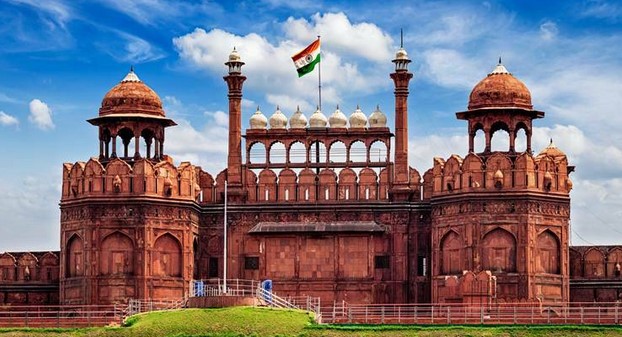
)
(224, 271)
(319, 78)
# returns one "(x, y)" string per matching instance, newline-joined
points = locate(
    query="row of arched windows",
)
(595, 263)
(498, 253)
(317, 152)
(116, 256)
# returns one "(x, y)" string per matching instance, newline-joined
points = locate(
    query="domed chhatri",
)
(258, 120)
(318, 120)
(500, 89)
(298, 120)
(552, 151)
(358, 118)
(338, 119)
(377, 119)
(278, 120)
(131, 96)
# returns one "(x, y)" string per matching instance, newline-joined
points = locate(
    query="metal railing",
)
(138, 306)
(523, 313)
(216, 287)
(60, 316)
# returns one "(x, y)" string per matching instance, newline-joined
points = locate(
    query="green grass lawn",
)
(246, 321)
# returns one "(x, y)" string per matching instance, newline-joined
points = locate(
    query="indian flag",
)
(307, 58)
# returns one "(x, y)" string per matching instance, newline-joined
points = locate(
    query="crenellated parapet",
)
(547, 172)
(143, 178)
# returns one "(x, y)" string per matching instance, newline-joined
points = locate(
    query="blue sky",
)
(58, 58)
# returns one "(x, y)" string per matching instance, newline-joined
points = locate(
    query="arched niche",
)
(594, 264)
(548, 253)
(576, 264)
(116, 255)
(7, 267)
(75, 256)
(167, 256)
(267, 185)
(499, 251)
(347, 184)
(451, 254)
(287, 185)
(257, 153)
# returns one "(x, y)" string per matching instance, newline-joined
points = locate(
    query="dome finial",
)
(401, 38)
(132, 68)
(499, 59)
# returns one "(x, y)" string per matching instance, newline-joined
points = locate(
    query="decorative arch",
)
(347, 184)
(49, 267)
(337, 152)
(267, 186)
(378, 152)
(594, 263)
(27, 267)
(575, 264)
(74, 256)
(297, 152)
(167, 256)
(116, 255)
(328, 185)
(277, 154)
(368, 184)
(522, 137)
(548, 253)
(451, 251)
(7, 267)
(614, 263)
(499, 251)
(498, 142)
(307, 185)
(357, 152)
(126, 134)
(148, 136)
(287, 185)
(317, 152)
(257, 153)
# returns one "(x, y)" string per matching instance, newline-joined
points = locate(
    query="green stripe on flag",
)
(309, 67)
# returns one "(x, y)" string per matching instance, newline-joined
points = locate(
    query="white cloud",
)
(129, 48)
(361, 39)
(548, 30)
(348, 59)
(151, 12)
(8, 120)
(450, 68)
(40, 115)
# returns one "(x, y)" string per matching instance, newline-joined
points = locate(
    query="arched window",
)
(337, 152)
(451, 254)
(548, 253)
(277, 153)
(499, 251)
(116, 256)
(317, 152)
(257, 154)
(358, 152)
(167, 257)
(378, 152)
(297, 153)
(75, 257)
(499, 137)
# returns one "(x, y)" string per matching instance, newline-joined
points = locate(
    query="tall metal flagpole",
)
(319, 77)
(224, 269)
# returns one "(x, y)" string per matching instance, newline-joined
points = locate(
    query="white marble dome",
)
(377, 119)
(338, 119)
(298, 120)
(318, 120)
(278, 120)
(258, 120)
(358, 118)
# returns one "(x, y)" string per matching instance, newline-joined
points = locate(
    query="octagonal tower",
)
(500, 218)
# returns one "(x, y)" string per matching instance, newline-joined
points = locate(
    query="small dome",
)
(234, 56)
(358, 119)
(377, 119)
(318, 120)
(401, 54)
(298, 120)
(551, 151)
(500, 89)
(131, 95)
(278, 120)
(258, 120)
(338, 119)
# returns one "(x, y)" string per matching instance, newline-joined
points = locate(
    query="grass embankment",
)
(260, 322)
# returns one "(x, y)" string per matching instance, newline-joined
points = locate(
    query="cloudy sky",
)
(58, 58)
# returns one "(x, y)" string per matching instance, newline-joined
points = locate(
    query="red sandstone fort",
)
(322, 206)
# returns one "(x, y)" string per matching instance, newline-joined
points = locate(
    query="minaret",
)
(235, 80)
(401, 77)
